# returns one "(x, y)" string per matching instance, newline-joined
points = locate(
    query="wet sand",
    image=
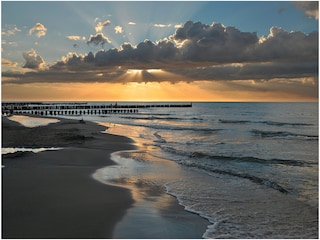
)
(52, 194)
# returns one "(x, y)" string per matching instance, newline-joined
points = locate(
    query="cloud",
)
(251, 71)
(75, 38)
(131, 23)
(282, 45)
(7, 63)
(39, 30)
(4, 42)
(195, 51)
(310, 8)
(215, 42)
(33, 60)
(101, 25)
(118, 29)
(10, 30)
(161, 25)
(219, 44)
(98, 39)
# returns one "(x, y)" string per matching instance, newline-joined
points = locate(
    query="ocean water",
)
(250, 169)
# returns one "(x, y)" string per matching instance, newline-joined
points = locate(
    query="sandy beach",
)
(51, 194)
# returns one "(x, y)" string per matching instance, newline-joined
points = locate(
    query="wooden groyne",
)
(76, 108)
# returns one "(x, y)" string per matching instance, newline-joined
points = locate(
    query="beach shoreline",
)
(51, 194)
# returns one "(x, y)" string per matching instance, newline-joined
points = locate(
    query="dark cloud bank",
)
(197, 51)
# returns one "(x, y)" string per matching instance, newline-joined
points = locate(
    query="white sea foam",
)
(32, 121)
(34, 150)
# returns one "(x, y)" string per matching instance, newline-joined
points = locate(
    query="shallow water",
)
(155, 213)
(32, 121)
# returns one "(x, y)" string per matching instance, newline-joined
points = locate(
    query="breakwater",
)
(79, 108)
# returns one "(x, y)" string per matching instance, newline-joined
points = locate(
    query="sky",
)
(159, 51)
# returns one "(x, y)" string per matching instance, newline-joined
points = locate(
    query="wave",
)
(247, 159)
(255, 179)
(283, 134)
(152, 117)
(233, 121)
(270, 123)
(209, 168)
(204, 130)
(288, 162)
(202, 161)
(159, 138)
(193, 129)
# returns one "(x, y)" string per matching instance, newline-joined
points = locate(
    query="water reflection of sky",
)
(154, 210)
(32, 121)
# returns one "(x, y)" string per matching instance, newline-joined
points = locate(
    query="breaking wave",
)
(288, 162)
(255, 179)
(282, 134)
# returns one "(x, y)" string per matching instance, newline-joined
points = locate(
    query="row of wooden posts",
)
(75, 112)
(79, 109)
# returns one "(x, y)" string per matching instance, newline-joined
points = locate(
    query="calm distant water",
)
(251, 169)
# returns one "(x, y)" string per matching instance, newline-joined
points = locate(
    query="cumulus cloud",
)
(118, 29)
(98, 39)
(219, 44)
(282, 45)
(310, 8)
(101, 25)
(39, 29)
(200, 52)
(196, 44)
(33, 60)
(215, 42)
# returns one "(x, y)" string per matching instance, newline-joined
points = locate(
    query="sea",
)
(250, 169)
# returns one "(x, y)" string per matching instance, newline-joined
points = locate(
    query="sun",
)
(134, 71)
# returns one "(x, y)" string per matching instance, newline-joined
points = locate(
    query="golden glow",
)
(160, 85)
(163, 91)
(134, 71)
(154, 71)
